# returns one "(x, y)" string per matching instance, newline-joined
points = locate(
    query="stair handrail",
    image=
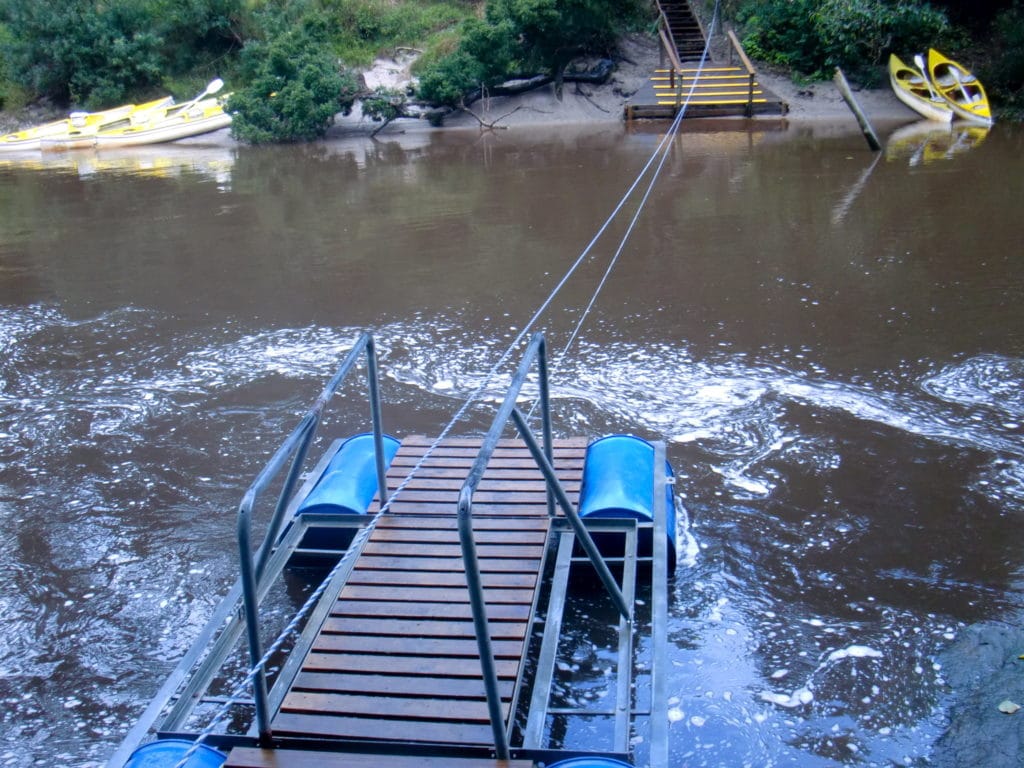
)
(738, 47)
(700, 24)
(667, 44)
(293, 450)
(543, 455)
(745, 61)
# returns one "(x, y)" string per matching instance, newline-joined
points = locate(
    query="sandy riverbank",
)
(638, 57)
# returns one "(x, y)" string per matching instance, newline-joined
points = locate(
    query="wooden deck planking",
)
(416, 666)
(423, 685)
(397, 646)
(397, 659)
(383, 729)
(248, 757)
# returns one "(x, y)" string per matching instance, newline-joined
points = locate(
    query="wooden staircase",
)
(704, 87)
(684, 29)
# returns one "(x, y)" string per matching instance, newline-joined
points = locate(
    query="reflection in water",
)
(160, 161)
(927, 141)
(838, 397)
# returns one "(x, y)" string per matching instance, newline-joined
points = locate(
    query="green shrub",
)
(815, 37)
(7, 84)
(384, 105)
(1004, 75)
(82, 51)
(865, 31)
(450, 79)
(199, 34)
(782, 32)
(295, 86)
(525, 37)
(364, 28)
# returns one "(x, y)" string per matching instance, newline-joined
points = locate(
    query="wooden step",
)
(246, 757)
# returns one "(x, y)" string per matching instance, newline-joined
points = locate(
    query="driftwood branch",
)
(493, 125)
(589, 98)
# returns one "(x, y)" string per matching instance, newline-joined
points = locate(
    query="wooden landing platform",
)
(245, 757)
(396, 660)
(711, 91)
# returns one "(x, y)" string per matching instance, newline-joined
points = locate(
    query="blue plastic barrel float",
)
(618, 481)
(167, 753)
(349, 482)
(590, 762)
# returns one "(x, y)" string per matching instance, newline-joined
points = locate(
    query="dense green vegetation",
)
(1003, 70)
(292, 64)
(816, 36)
(526, 37)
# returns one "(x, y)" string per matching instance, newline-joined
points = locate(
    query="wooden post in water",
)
(844, 89)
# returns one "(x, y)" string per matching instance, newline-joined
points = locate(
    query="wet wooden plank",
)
(507, 482)
(435, 595)
(493, 580)
(397, 685)
(417, 629)
(397, 658)
(448, 523)
(411, 550)
(249, 757)
(403, 708)
(398, 646)
(405, 506)
(381, 729)
(442, 564)
(504, 446)
(449, 611)
(416, 666)
(450, 535)
(523, 462)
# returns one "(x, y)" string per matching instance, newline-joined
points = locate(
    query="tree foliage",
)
(281, 58)
(83, 51)
(815, 36)
(295, 85)
(525, 37)
(1004, 74)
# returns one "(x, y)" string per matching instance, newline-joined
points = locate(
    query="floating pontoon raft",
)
(444, 630)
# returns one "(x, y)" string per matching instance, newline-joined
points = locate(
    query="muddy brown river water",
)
(831, 346)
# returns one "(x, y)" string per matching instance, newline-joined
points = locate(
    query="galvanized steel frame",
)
(294, 449)
(260, 568)
(535, 352)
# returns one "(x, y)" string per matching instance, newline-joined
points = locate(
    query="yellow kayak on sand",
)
(131, 125)
(195, 119)
(84, 137)
(76, 123)
(203, 114)
(911, 86)
(961, 89)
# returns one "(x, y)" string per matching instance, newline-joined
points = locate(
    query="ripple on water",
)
(91, 414)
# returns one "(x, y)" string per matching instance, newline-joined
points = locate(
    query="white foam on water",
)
(731, 408)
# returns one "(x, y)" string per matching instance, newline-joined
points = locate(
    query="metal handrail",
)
(293, 451)
(543, 457)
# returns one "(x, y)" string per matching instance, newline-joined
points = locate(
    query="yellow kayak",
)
(961, 90)
(84, 136)
(171, 124)
(30, 138)
(911, 86)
